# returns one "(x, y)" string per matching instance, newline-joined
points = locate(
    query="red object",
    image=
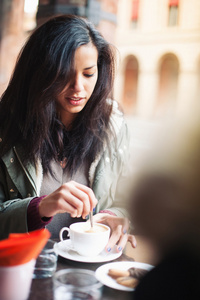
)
(20, 248)
(173, 2)
(135, 10)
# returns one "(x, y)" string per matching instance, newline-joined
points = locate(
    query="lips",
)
(75, 100)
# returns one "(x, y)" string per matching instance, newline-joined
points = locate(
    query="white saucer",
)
(102, 273)
(64, 249)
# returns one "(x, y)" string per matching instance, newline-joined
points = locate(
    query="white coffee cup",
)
(85, 241)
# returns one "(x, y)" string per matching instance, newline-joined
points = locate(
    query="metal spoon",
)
(91, 218)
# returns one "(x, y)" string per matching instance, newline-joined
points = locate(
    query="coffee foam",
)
(96, 228)
(88, 229)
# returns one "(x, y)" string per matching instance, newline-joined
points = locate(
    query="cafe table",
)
(42, 289)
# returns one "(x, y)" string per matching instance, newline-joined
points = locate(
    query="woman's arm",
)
(17, 214)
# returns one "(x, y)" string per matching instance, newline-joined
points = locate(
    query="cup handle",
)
(61, 233)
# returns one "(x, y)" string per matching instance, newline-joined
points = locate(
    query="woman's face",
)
(76, 94)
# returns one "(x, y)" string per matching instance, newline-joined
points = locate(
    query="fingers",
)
(132, 240)
(119, 231)
(89, 192)
(120, 240)
(78, 199)
(117, 238)
(72, 197)
(126, 225)
(54, 204)
(73, 206)
(82, 198)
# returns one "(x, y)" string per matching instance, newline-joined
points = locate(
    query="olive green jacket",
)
(19, 184)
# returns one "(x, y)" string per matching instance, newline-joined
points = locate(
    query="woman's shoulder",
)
(117, 119)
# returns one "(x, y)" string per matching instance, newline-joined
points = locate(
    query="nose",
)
(77, 84)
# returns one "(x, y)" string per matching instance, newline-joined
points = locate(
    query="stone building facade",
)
(103, 13)
(159, 46)
(11, 37)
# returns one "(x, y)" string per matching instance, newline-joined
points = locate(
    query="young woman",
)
(63, 142)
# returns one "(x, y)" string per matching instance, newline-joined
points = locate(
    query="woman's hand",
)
(72, 197)
(119, 231)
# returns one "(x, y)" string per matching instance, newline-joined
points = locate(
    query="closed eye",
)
(89, 75)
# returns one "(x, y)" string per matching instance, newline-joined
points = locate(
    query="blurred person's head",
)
(165, 202)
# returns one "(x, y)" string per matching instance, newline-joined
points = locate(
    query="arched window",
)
(130, 85)
(173, 12)
(134, 13)
(168, 80)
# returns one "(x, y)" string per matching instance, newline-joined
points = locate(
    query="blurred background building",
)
(158, 42)
(19, 17)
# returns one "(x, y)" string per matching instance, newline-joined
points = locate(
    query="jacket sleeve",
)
(13, 209)
(112, 176)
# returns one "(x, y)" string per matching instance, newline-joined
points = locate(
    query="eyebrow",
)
(90, 67)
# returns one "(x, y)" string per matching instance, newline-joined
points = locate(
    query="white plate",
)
(102, 273)
(64, 249)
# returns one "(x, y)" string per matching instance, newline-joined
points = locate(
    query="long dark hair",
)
(44, 66)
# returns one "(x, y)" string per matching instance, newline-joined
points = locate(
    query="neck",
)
(67, 120)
